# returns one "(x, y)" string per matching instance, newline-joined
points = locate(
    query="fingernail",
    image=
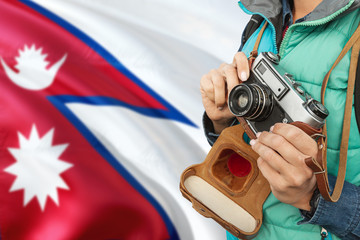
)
(243, 76)
(252, 142)
(271, 128)
(258, 134)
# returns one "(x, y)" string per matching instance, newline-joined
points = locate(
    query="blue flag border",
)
(60, 103)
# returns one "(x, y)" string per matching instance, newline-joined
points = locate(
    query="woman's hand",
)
(282, 154)
(217, 84)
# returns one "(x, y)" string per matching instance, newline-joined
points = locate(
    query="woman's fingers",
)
(298, 138)
(230, 75)
(271, 157)
(242, 65)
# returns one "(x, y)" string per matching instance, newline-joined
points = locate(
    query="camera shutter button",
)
(295, 84)
(300, 90)
(290, 78)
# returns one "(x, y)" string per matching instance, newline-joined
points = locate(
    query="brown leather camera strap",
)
(254, 52)
(319, 166)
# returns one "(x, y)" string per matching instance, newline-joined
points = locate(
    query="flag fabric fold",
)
(100, 115)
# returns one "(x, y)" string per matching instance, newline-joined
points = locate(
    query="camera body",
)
(271, 95)
(228, 185)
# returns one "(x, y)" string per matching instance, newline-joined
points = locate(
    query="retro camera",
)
(271, 95)
(228, 186)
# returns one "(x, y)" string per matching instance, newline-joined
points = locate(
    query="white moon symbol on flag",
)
(31, 65)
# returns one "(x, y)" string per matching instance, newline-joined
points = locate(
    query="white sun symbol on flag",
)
(38, 167)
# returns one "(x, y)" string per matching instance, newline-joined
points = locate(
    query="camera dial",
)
(275, 58)
(317, 109)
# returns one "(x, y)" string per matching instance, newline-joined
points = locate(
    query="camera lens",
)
(251, 101)
(243, 100)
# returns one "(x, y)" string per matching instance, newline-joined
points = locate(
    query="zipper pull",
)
(323, 233)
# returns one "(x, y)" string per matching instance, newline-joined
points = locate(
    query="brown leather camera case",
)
(232, 201)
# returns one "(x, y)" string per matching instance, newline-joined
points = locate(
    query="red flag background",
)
(59, 179)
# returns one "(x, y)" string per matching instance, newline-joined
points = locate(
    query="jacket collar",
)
(272, 9)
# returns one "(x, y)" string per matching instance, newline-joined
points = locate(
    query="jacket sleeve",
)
(210, 134)
(341, 218)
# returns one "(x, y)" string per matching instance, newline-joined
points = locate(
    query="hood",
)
(272, 10)
(328, 7)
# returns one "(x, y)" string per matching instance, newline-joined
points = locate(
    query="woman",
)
(308, 35)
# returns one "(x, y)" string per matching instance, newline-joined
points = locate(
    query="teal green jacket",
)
(308, 51)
